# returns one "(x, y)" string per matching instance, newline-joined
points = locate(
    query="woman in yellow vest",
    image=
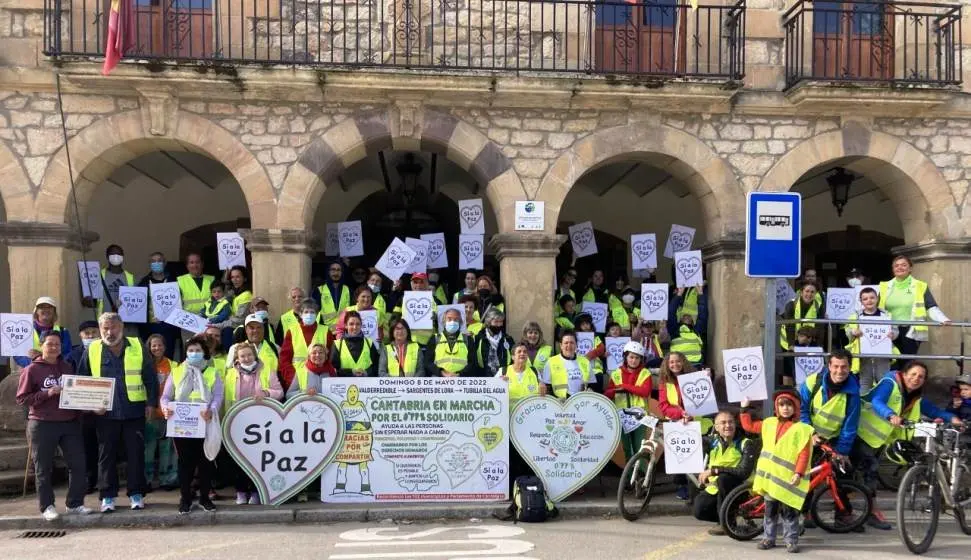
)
(688, 332)
(568, 373)
(536, 348)
(450, 351)
(402, 357)
(375, 282)
(45, 319)
(363, 301)
(354, 355)
(194, 381)
(473, 325)
(671, 403)
(240, 295)
(310, 378)
(805, 306)
(521, 377)
(909, 299)
(630, 385)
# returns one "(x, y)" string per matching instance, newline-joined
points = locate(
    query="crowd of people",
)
(242, 354)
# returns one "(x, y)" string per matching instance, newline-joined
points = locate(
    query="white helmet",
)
(635, 348)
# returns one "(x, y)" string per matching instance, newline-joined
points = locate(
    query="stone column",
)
(527, 266)
(281, 260)
(946, 267)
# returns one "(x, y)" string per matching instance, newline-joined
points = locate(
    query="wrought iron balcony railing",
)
(901, 43)
(663, 38)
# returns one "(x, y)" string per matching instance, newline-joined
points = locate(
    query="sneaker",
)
(878, 521)
(207, 505)
(766, 544)
(137, 502)
(254, 499)
(241, 498)
(792, 548)
(107, 505)
(716, 531)
(50, 514)
(80, 510)
(185, 508)
(682, 493)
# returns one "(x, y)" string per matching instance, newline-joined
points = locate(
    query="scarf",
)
(192, 382)
(492, 361)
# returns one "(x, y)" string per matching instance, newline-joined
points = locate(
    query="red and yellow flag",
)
(121, 24)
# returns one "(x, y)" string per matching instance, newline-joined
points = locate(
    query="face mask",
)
(195, 358)
(494, 329)
(87, 341)
(854, 282)
(157, 267)
(308, 318)
(628, 298)
(247, 368)
(116, 260)
(263, 315)
(451, 327)
(376, 288)
(484, 293)
(433, 279)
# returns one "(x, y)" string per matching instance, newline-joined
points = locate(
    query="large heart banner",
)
(744, 374)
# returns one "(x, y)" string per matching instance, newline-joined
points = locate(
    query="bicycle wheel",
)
(636, 485)
(918, 508)
(741, 513)
(850, 513)
(889, 472)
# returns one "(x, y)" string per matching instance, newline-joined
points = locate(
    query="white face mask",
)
(115, 260)
(247, 367)
(854, 282)
(87, 341)
(309, 318)
(628, 298)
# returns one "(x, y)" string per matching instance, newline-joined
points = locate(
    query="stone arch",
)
(100, 148)
(921, 195)
(682, 155)
(350, 141)
(16, 198)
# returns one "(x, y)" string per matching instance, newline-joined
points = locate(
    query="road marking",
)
(471, 542)
(672, 550)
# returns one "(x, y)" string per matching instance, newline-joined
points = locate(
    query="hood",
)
(786, 393)
(851, 386)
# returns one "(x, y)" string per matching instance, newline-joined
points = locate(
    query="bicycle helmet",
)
(635, 348)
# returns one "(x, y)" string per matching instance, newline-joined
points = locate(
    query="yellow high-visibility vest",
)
(232, 379)
(454, 359)
(411, 360)
(621, 399)
(918, 311)
(301, 349)
(194, 298)
(347, 361)
(129, 281)
(560, 378)
(689, 344)
(876, 431)
(827, 419)
(329, 310)
(208, 377)
(730, 457)
(777, 463)
(521, 385)
(134, 387)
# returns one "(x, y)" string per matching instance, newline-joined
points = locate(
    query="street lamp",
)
(410, 172)
(839, 188)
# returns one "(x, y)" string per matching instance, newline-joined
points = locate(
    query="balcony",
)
(873, 43)
(662, 40)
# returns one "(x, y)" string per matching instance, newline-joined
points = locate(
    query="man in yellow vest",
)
(687, 333)
(268, 352)
(333, 296)
(195, 287)
(731, 461)
(830, 403)
(135, 399)
(291, 317)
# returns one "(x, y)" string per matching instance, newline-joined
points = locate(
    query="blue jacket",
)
(881, 392)
(963, 412)
(844, 442)
(112, 366)
(24, 361)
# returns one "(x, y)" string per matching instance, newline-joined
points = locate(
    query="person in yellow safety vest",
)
(402, 357)
(689, 303)
(310, 379)
(194, 381)
(375, 283)
(909, 299)
(217, 355)
(650, 337)
(364, 302)
(240, 295)
(804, 306)
(469, 277)
(439, 288)
(810, 275)
(297, 341)
(291, 317)
(731, 461)
(568, 373)
(564, 289)
(627, 315)
(332, 296)
(419, 283)
(261, 309)
(267, 352)
(521, 377)
(688, 334)
(829, 401)
(868, 370)
(217, 309)
(451, 351)
(584, 324)
(896, 399)
(113, 277)
(45, 319)
(671, 404)
(492, 345)
(566, 320)
(354, 355)
(782, 472)
(597, 292)
(630, 386)
(194, 286)
(537, 350)
(473, 326)
(135, 399)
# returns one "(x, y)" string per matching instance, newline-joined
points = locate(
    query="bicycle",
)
(944, 474)
(895, 460)
(637, 480)
(848, 509)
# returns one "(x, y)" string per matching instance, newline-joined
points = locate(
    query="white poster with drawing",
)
(688, 270)
(369, 324)
(598, 312)
(643, 251)
(614, 349)
(437, 256)
(840, 303)
(679, 239)
(419, 439)
(471, 252)
(418, 308)
(585, 342)
(783, 294)
(187, 321)
(471, 217)
(683, 448)
(807, 365)
(351, 239)
(744, 374)
(876, 338)
(89, 273)
(698, 393)
(332, 241)
(166, 298)
(395, 260)
(583, 239)
(16, 334)
(654, 302)
(134, 304)
(420, 262)
(232, 250)
(460, 307)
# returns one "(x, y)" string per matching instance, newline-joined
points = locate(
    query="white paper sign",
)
(437, 256)
(332, 242)
(166, 298)
(783, 295)
(134, 304)
(395, 260)
(350, 238)
(679, 239)
(598, 312)
(856, 295)
(807, 365)
(369, 323)
(530, 215)
(744, 374)
(840, 303)
(654, 302)
(231, 249)
(683, 448)
(418, 309)
(420, 262)
(614, 349)
(187, 321)
(16, 334)
(90, 274)
(584, 343)
(583, 239)
(643, 251)
(185, 421)
(876, 338)
(471, 252)
(698, 393)
(460, 307)
(471, 216)
(688, 269)
(630, 422)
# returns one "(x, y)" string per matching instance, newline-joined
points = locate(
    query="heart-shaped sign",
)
(644, 249)
(630, 422)
(471, 215)
(842, 302)
(418, 309)
(436, 248)
(655, 300)
(810, 365)
(616, 351)
(682, 443)
(283, 448)
(582, 237)
(459, 463)
(579, 439)
(697, 392)
(16, 332)
(350, 237)
(489, 436)
(232, 247)
(745, 370)
(598, 314)
(369, 324)
(471, 250)
(397, 259)
(494, 472)
(689, 267)
(584, 345)
(183, 411)
(680, 241)
(134, 302)
(874, 334)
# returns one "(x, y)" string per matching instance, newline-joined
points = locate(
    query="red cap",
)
(419, 276)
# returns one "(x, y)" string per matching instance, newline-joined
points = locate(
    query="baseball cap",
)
(45, 300)
(855, 272)
(419, 276)
(258, 300)
(253, 318)
(964, 379)
(87, 325)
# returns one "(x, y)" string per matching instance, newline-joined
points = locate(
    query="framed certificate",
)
(80, 392)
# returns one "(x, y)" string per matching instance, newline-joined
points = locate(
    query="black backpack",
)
(529, 503)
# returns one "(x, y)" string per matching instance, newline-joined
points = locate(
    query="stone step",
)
(13, 455)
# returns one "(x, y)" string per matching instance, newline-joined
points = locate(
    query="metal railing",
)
(664, 39)
(899, 43)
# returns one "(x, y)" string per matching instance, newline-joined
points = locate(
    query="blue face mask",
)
(157, 267)
(309, 318)
(452, 327)
(262, 315)
(195, 358)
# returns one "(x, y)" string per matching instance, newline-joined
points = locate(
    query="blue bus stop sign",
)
(773, 235)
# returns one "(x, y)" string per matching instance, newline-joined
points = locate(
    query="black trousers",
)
(192, 459)
(113, 435)
(45, 438)
(707, 506)
(89, 433)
